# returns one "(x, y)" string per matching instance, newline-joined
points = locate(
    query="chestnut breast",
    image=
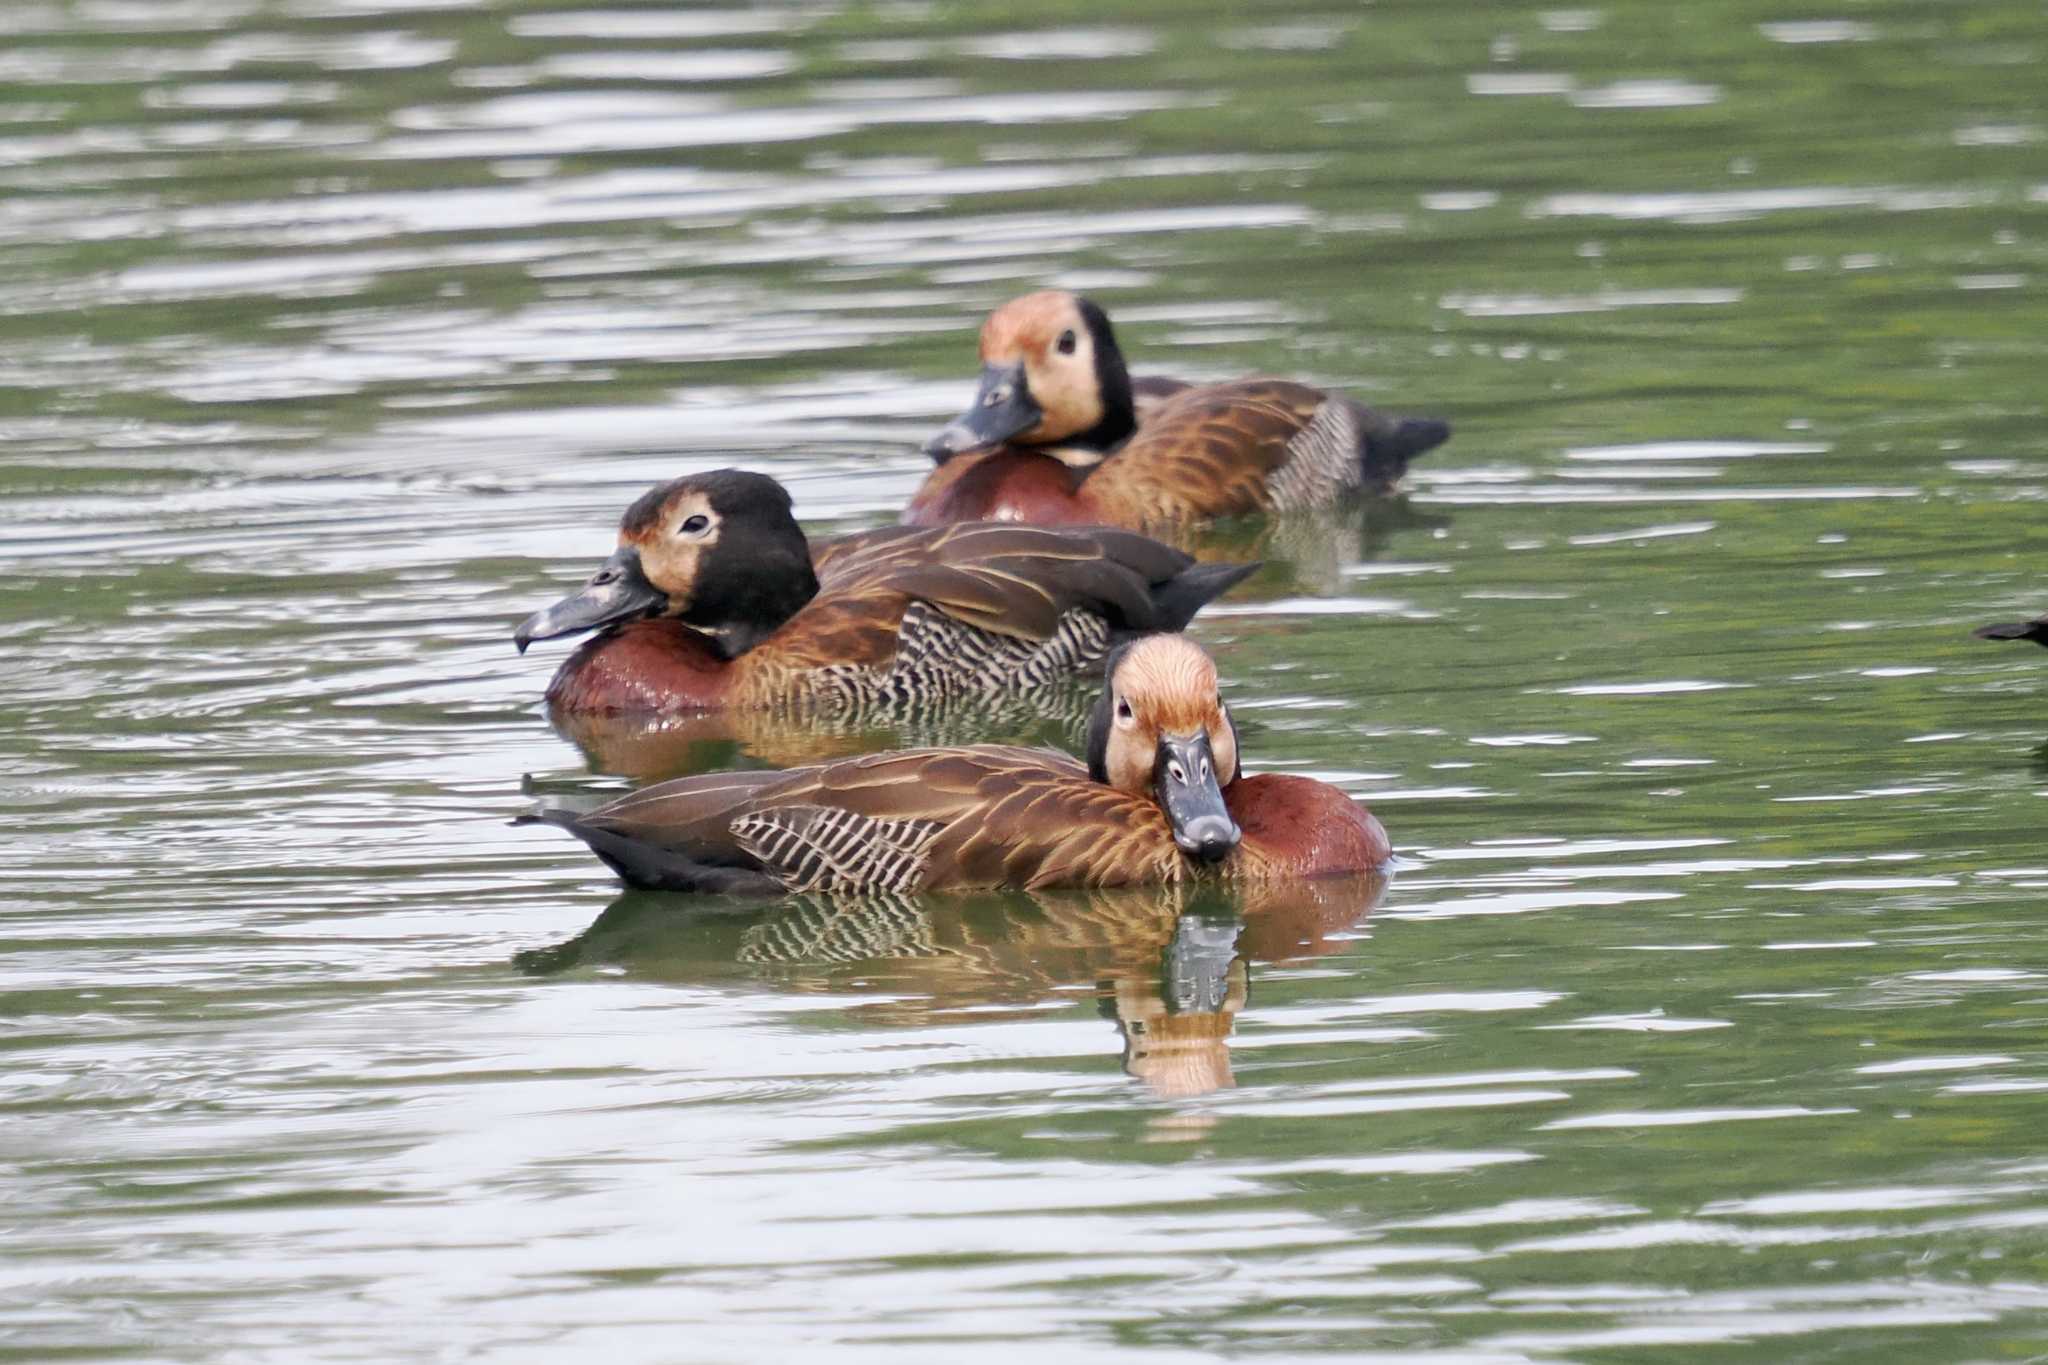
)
(1303, 827)
(1002, 485)
(656, 666)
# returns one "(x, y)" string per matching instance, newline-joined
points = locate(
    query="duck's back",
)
(976, 816)
(914, 614)
(1217, 450)
(1201, 451)
(972, 817)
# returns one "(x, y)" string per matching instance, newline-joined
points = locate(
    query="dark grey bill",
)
(617, 592)
(1002, 407)
(1184, 778)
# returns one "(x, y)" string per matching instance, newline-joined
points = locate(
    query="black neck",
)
(1098, 739)
(1098, 719)
(1113, 379)
(752, 589)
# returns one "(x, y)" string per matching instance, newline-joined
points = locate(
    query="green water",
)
(1702, 1019)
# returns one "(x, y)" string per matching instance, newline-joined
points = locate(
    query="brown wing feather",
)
(1019, 580)
(834, 558)
(1150, 391)
(689, 813)
(1205, 452)
(1057, 830)
(921, 784)
(1010, 816)
(1008, 579)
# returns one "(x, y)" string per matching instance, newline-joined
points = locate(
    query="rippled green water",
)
(1702, 1020)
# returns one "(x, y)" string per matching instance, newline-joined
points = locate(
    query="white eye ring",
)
(1124, 714)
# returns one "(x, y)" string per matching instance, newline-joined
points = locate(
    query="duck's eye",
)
(1066, 342)
(1123, 710)
(696, 525)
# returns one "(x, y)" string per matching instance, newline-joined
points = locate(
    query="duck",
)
(2035, 630)
(1059, 434)
(1159, 799)
(715, 598)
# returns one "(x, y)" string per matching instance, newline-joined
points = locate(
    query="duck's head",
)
(720, 551)
(1051, 375)
(1161, 730)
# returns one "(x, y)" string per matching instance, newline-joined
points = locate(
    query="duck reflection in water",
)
(1170, 965)
(1176, 1026)
(650, 747)
(1307, 552)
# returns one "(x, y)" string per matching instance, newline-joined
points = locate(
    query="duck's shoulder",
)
(865, 582)
(1256, 397)
(836, 556)
(1149, 391)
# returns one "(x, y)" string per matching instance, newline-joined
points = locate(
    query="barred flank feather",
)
(818, 848)
(934, 651)
(938, 657)
(1322, 461)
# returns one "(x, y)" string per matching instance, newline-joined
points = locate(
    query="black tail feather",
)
(642, 864)
(1187, 592)
(2037, 631)
(1391, 443)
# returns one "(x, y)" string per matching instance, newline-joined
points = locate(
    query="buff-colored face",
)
(1164, 691)
(654, 572)
(670, 562)
(672, 547)
(1046, 334)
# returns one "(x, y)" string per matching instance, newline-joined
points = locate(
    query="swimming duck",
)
(2035, 630)
(715, 599)
(1059, 434)
(1160, 799)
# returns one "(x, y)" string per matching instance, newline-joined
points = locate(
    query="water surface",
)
(1701, 1020)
